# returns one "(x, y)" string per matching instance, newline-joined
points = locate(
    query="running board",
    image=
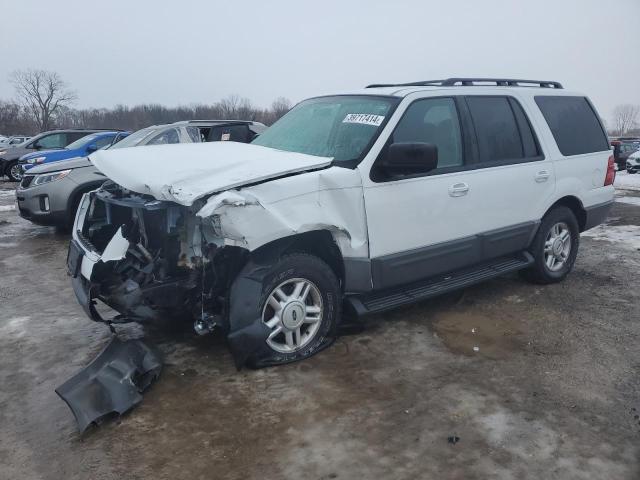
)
(415, 292)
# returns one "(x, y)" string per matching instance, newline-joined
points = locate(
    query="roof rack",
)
(242, 122)
(452, 82)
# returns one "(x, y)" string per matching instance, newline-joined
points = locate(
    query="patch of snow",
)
(626, 236)
(15, 327)
(7, 208)
(625, 181)
(7, 194)
(629, 200)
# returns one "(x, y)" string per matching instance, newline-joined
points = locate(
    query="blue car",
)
(80, 148)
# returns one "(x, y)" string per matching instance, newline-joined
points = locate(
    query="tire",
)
(303, 332)
(545, 270)
(10, 171)
(630, 172)
(73, 205)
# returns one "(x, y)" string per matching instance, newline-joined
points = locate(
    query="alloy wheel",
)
(557, 246)
(293, 312)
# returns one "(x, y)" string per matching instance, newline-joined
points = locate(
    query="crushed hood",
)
(182, 173)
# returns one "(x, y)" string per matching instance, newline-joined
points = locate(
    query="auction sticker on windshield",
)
(364, 119)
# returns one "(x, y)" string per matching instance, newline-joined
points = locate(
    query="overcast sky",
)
(182, 52)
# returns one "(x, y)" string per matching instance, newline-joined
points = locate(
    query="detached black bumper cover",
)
(112, 382)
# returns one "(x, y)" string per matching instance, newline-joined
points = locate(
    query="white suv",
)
(365, 200)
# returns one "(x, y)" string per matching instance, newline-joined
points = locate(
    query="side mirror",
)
(37, 146)
(92, 148)
(409, 158)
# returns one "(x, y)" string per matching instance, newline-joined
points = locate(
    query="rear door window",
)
(170, 135)
(104, 142)
(55, 140)
(574, 124)
(497, 131)
(194, 134)
(73, 136)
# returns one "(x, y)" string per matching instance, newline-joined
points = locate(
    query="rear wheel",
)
(14, 172)
(554, 247)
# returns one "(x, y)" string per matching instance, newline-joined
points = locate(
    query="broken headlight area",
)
(158, 261)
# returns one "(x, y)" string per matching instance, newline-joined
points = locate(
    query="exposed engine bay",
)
(160, 262)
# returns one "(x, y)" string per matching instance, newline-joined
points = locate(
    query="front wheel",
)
(300, 306)
(631, 172)
(554, 247)
(14, 172)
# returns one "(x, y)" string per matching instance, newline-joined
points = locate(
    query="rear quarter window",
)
(574, 124)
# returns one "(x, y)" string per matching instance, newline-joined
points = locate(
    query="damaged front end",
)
(151, 261)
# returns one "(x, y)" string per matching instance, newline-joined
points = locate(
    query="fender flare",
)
(247, 334)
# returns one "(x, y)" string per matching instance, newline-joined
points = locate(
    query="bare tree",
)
(16, 119)
(625, 118)
(229, 106)
(43, 93)
(280, 106)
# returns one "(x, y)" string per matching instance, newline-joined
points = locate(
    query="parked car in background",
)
(10, 155)
(13, 140)
(371, 199)
(80, 148)
(633, 162)
(49, 194)
(194, 131)
(622, 148)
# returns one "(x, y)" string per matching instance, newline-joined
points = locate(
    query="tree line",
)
(45, 102)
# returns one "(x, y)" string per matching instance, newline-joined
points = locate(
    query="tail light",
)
(611, 172)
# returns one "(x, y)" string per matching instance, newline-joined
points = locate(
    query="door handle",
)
(542, 176)
(458, 189)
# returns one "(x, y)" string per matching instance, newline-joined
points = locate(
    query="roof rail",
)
(452, 82)
(243, 122)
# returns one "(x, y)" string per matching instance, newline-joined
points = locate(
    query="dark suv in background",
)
(45, 141)
(622, 148)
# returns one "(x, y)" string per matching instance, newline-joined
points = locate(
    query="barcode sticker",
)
(364, 119)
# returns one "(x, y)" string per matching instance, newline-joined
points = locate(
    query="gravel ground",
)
(552, 391)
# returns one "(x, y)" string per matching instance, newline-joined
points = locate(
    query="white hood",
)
(182, 173)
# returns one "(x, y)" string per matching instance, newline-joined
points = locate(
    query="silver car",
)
(49, 194)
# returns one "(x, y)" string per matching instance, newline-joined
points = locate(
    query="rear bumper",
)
(597, 214)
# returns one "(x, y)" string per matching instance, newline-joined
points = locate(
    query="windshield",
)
(135, 138)
(339, 127)
(81, 142)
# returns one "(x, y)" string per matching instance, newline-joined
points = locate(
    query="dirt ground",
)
(552, 391)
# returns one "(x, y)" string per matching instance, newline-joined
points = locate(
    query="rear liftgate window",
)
(574, 124)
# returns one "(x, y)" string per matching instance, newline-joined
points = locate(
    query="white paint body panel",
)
(183, 173)
(329, 199)
(423, 210)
